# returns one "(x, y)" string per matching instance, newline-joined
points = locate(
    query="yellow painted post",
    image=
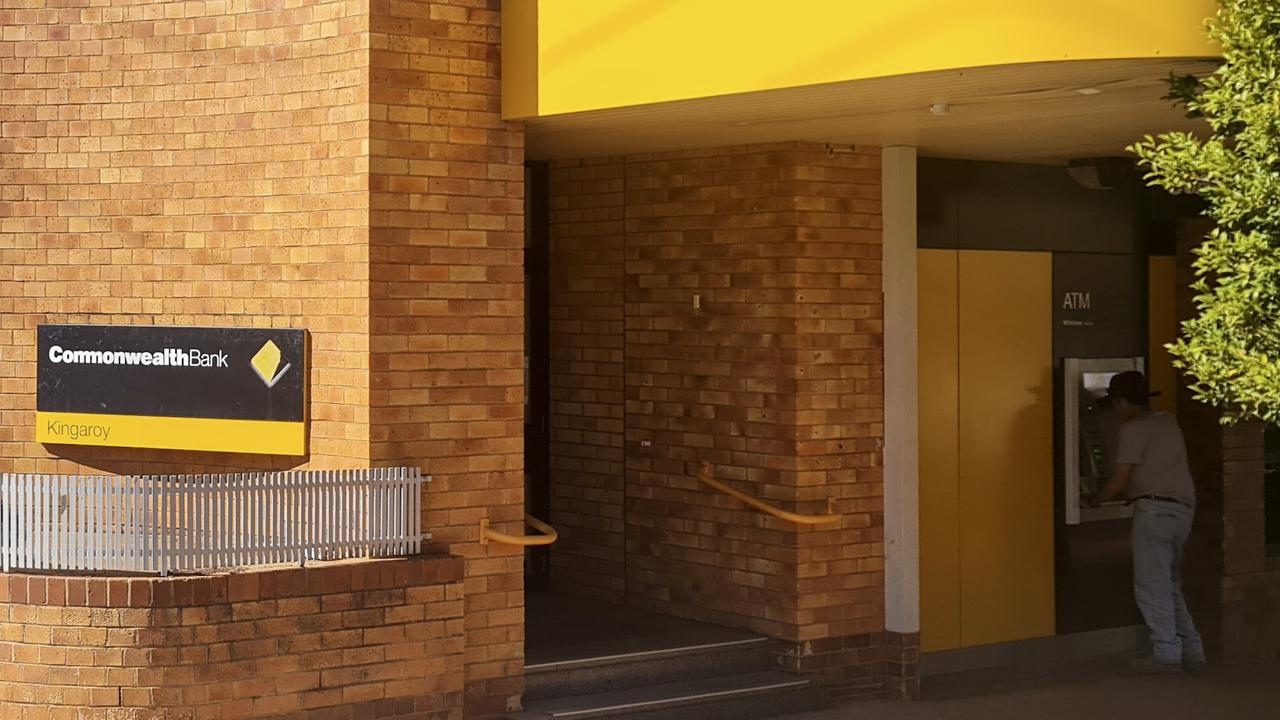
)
(939, 424)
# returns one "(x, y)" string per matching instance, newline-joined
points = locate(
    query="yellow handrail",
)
(548, 536)
(704, 476)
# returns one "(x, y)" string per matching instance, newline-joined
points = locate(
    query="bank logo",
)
(266, 362)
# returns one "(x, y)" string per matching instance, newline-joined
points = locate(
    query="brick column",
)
(446, 293)
(1233, 589)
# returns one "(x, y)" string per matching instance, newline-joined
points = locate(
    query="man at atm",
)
(1151, 471)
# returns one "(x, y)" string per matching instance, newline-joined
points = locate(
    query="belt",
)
(1157, 498)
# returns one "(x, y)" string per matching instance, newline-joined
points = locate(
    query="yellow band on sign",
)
(262, 437)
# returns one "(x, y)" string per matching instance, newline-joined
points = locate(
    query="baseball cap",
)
(1130, 385)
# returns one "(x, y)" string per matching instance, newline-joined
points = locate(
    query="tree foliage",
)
(1231, 349)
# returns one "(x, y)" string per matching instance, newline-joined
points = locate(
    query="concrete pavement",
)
(1105, 690)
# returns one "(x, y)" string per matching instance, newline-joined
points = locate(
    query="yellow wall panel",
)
(1162, 319)
(1005, 332)
(939, 460)
(590, 55)
(520, 58)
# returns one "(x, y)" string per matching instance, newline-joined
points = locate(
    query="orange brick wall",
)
(839, 423)
(446, 251)
(840, 388)
(185, 163)
(711, 383)
(338, 166)
(378, 639)
(775, 377)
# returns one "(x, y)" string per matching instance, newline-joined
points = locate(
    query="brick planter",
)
(367, 639)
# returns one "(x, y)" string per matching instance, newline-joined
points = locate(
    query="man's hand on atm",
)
(1119, 481)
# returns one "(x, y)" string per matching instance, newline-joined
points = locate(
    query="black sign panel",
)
(1100, 305)
(173, 372)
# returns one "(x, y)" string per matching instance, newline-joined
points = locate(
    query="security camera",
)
(1101, 173)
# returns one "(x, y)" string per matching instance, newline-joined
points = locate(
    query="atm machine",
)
(1094, 576)
(1090, 434)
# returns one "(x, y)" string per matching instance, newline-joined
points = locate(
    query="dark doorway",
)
(537, 360)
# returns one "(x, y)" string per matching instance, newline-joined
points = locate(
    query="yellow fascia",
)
(564, 56)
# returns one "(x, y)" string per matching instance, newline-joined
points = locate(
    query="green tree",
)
(1231, 349)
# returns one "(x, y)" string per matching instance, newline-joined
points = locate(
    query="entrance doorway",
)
(588, 646)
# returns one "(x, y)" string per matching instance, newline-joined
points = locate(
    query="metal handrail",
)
(704, 476)
(548, 536)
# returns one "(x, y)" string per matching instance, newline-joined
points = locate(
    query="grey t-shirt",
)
(1153, 444)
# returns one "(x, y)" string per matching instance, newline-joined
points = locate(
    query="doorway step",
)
(595, 661)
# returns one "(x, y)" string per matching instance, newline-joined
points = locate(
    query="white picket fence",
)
(192, 523)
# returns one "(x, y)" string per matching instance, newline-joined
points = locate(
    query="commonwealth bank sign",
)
(178, 388)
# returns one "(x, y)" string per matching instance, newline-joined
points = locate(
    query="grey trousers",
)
(1160, 530)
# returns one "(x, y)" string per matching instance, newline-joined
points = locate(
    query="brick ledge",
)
(268, 583)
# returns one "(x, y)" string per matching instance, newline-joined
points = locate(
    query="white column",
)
(901, 442)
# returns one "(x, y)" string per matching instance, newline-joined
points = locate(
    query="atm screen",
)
(1099, 430)
(1095, 383)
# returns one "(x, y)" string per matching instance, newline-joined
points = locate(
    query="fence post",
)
(6, 515)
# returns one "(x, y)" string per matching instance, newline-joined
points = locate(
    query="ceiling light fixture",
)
(940, 109)
(1089, 91)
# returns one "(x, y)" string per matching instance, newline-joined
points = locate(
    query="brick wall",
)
(185, 164)
(839, 423)
(1232, 587)
(1251, 583)
(379, 639)
(339, 166)
(711, 383)
(446, 239)
(586, 346)
(902, 665)
(773, 373)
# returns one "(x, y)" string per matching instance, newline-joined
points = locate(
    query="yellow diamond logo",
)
(266, 362)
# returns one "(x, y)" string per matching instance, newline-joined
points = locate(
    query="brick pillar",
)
(1233, 589)
(839, 425)
(447, 305)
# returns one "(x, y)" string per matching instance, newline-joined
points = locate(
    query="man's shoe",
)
(1194, 666)
(1148, 665)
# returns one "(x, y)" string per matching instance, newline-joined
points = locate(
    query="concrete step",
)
(745, 696)
(622, 670)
